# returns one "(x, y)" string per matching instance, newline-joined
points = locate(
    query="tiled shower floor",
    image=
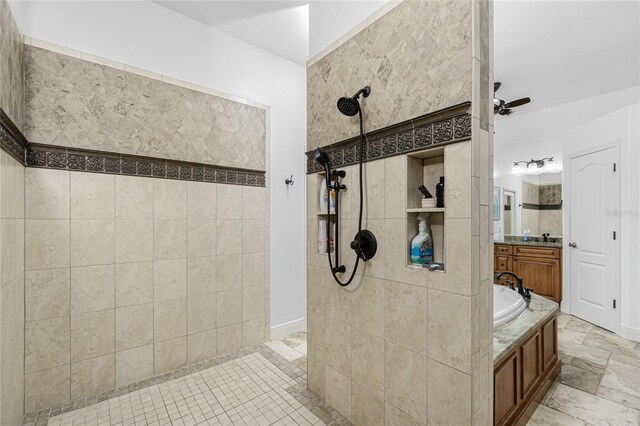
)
(264, 385)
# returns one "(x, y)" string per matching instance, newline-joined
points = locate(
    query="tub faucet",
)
(522, 290)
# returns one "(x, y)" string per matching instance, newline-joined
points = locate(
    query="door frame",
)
(566, 226)
(514, 206)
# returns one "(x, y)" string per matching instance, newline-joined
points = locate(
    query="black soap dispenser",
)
(440, 193)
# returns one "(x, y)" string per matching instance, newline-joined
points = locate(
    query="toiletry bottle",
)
(440, 193)
(332, 199)
(422, 244)
(324, 196)
(322, 236)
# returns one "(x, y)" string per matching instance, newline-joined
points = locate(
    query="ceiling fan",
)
(505, 108)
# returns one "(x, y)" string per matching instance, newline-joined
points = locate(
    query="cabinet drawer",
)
(501, 249)
(549, 252)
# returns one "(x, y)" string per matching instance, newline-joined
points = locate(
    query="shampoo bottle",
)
(422, 244)
(324, 196)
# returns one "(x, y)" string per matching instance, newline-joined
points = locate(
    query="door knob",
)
(573, 245)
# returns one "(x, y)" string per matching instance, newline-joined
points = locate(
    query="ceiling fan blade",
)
(496, 86)
(517, 103)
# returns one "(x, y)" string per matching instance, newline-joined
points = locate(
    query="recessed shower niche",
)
(425, 168)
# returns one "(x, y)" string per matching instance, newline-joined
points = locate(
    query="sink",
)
(507, 305)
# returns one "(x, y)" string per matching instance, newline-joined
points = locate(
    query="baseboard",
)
(282, 330)
(630, 333)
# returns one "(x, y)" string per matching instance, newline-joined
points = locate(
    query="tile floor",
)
(600, 379)
(264, 385)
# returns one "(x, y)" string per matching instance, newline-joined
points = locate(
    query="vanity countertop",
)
(530, 243)
(506, 336)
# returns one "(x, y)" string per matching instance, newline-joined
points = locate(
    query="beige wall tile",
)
(201, 200)
(253, 269)
(134, 240)
(366, 408)
(201, 313)
(170, 279)
(406, 316)
(338, 346)
(44, 287)
(368, 306)
(134, 198)
(228, 233)
(338, 392)
(170, 239)
(12, 186)
(229, 272)
(12, 309)
(316, 332)
(11, 249)
(47, 193)
(12, 386)
(134, 365)
(405, 383)
(201, 275)
(229, 201)
(46, 344)
(134, 283)
(457, 164)
(57, 392)
(92, 334)
(229, 307)
(316, 376)
(47, 244)
(92, 196)
(169, 355)
(169, 199)
(92, 288)
(337, 300)
(229, 339)
(253, 306)
(449, 395)
(93, 376)
(134, 326)
(395, 198)
(254, 236)
(374, 191)
(367, 365)
(450, 335)
(201, 346)
(169, 319)
(395, 417)
(316, 289)
(201, 238)
(253, 331)
(93, 242)
(253, 202)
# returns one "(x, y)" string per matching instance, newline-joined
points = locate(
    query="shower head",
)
(351, 106)
(321, 156)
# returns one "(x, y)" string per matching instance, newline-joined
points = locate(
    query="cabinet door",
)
(530, 362)
(501, 263)
(540, 274)
(505, 385)
(549, 343)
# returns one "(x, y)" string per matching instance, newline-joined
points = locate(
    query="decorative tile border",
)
(530, 206)
(84, 160)
(443, 127)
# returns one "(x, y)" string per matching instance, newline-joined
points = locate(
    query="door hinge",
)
(614, 303)
(614, 235)
(614, 167)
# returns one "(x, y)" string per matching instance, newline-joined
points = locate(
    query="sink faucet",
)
(545, 237)
(522, 290)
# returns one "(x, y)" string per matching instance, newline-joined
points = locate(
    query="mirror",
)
(529, 204)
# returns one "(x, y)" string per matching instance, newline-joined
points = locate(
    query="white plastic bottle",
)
(422, 244)
(322, 236)
(332, 199)
(324, 196)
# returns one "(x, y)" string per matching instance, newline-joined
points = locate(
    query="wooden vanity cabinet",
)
(523, 376)
(539, 267)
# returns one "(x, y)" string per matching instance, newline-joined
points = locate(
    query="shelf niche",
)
(425, 168)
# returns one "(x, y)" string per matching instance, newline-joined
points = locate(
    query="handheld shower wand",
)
(364, 242)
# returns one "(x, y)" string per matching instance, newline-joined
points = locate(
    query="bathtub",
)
(507, 305)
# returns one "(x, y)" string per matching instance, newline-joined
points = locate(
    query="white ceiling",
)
(561, 51)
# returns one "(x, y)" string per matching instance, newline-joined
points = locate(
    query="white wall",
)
(149, 36)
(623, 125)
(538, 134)
(330, 20)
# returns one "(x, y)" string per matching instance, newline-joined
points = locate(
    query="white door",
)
(593, 246)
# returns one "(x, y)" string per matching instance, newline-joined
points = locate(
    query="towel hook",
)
(289, 181)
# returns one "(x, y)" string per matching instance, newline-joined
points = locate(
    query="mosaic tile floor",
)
(265, 385)
(600, 379)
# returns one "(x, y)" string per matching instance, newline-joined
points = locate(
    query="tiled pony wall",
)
(127, 272)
